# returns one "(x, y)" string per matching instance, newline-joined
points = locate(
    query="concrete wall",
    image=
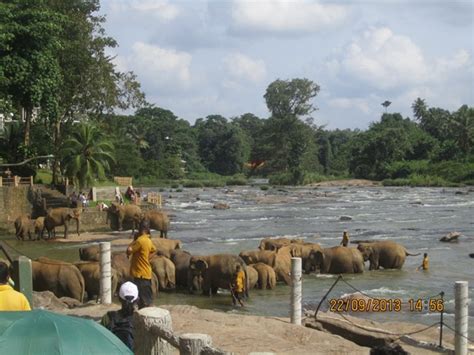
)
(13, 202)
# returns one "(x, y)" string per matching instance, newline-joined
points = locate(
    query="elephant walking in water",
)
(335, 260)
(386, 254)
(60, 217)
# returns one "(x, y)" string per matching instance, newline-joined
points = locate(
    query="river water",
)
(414, 217)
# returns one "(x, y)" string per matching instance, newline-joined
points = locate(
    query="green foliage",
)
(222, 146)
(264, 187)
(281, 179)
(190, 183)
(419, 181)
(86, 155)
(237, 180)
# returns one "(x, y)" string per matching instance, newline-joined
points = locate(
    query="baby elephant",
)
(23, 226)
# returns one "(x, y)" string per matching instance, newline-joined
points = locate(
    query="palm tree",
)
(86, 154)
(462, 127)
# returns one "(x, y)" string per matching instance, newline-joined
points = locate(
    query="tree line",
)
(62, 92)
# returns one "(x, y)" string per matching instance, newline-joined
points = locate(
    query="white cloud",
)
(280, 16)
(161, 9)
(351, 103)
(383, 59)
(242, 67)
(160, 67)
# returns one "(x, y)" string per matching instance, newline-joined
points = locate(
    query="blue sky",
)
(198, 58)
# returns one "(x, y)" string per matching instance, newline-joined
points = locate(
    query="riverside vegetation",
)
(63, 104)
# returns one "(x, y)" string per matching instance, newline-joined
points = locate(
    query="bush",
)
(213, 183)
(191, 183)
(174, 186)
(236, 181)
(264, 187)
(281, 179)
(403, 169)
(420, 181)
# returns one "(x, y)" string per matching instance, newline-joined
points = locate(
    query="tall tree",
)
(288, 101)
(29, 65)
(86, 155)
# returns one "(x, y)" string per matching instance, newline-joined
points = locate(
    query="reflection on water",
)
(415, 217)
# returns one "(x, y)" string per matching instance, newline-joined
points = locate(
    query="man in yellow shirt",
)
(425, 264)
(141, 250)
(345, 238)
(237, 287)
(10, 300)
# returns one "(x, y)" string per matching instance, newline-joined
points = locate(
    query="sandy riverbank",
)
(243, 334)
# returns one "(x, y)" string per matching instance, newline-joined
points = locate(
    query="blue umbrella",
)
(47, 333)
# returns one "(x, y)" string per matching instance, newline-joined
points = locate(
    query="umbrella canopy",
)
(44, 332)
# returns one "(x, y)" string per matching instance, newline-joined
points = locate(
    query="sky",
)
(199, 58)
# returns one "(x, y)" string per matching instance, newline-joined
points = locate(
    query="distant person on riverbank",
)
(10, 300)
(345, 238)
(237, 286)
(121, 322)
(141, 250)
(73, 199)
(425, 264)
(118, 196)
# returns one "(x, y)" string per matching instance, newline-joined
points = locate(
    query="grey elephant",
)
(165, 271)
(266, 276)
(23, 226)
(209, 273)
(165, 246)
(61, 278)
(276, 243)
(121, 264)
(180, 259)
(335, 260)
(131, 213)
(279, 260)
(253, 276)
(38, 227)
(159, 221)
(90, 253)
(386, 254)
(61, 216)
(91, 273)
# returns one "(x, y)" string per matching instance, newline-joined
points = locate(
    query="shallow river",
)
(414, 217)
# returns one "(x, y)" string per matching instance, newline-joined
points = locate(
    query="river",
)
(414, 217)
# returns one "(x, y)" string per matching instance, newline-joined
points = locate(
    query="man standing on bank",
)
(345, 238)
(141, 250)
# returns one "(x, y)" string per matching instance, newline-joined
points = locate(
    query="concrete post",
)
(460, 317)
(296, 276)
(25, 277)
(16, 180)
(105, 274)
(1, 181)
(192, 344)
(94, 194)
(31, 181)
(147, 342)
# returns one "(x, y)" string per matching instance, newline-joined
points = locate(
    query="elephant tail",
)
(409, 254)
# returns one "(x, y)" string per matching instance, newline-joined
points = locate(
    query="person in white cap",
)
(121, 322)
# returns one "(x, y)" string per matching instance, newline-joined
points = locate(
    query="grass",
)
(416, 180)
(43, 176)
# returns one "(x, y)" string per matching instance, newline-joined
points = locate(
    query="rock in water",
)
(345, 218)
(451, 237)
(221, 206)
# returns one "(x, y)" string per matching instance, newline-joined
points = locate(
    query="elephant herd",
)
(55, 217)
(174, 268)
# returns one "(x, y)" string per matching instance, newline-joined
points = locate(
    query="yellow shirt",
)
(426, 263)
(140, 266)
(11, 300)
(239, 281)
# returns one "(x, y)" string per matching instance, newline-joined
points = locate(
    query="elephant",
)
(336, 260)
(303, 250)
(60, 217)
(90, 253)
(266, 276)
(91, 273)
(38, 227)
(253, 276)
(131, 213)
(158, 221)
(386, 254)
(180, 259)
(165, 246)
(209, 273)
(23, 226)
(276, 243)
(165, 271)
(63, 279)
(279, 260)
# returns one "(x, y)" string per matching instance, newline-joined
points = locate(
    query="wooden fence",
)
(16, 181)
(123, 180)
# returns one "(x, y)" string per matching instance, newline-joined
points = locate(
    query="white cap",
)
(128, 289)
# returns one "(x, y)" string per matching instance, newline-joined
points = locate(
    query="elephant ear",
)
(201, 265)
